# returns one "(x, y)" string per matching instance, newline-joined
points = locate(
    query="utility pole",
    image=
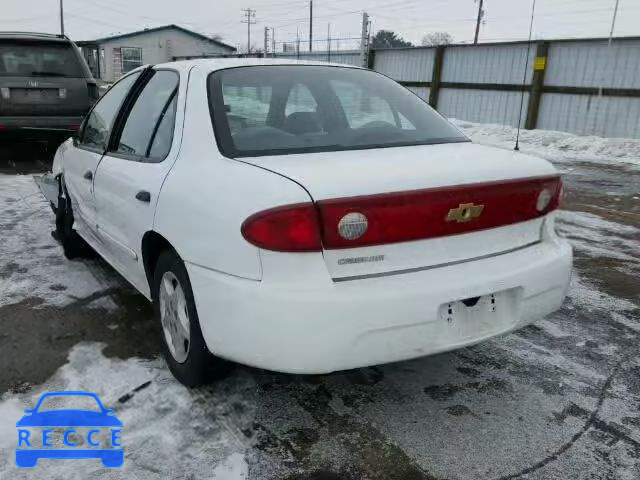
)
(297, 43)
(310, 25)
(364, 40)
(61, 18)
(329, 42)
(273, 42)
(480, 17)
(250, 15)
(266, 41)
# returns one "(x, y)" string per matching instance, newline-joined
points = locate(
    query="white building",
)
(111, 57)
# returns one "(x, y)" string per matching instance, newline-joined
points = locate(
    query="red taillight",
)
(73, 127)
(291, 228)
(420, 214)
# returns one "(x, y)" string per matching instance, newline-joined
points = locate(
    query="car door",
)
(81, 159)
(133, 169)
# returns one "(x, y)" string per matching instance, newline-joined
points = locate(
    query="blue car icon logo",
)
(27, 455)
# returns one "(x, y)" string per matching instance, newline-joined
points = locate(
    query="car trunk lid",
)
(400, 209)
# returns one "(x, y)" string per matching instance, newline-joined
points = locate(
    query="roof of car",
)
(213, 64)
(49, 37)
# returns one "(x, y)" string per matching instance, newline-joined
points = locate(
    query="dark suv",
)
(45, 85)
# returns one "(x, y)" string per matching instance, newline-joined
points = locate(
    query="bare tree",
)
(437, 38)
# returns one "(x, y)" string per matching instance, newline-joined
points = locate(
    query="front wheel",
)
(184, 347)
(72, 244)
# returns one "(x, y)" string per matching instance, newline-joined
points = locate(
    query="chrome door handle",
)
(88, 175)
(143, 196)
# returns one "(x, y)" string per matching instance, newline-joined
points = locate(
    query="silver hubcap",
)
(174, 317)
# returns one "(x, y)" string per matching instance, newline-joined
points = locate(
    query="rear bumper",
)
(66, 124)
(339, 326)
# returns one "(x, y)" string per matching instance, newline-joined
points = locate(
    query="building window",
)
(131, 58)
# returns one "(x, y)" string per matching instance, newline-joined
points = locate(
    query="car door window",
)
(300, 100)
(246, 106)
(97, 129)
(360, 106)
(151, 117)
(163, 137)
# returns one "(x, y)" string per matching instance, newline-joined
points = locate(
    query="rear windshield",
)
(39, 59)
(282, 109)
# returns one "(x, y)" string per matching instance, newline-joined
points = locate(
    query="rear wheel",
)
(184, 347)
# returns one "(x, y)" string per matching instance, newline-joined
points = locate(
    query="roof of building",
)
(49, 37)
(158, 29)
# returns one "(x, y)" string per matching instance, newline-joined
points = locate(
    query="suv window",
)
(146, 120)
(97, 129)
(39, 59)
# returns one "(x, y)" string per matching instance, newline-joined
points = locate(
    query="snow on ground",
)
(32, 264)
(168, 428)
(598, 237)
(555, 146)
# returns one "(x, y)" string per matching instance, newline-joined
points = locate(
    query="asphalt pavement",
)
(557, 400)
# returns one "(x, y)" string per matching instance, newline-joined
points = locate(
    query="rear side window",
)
(361, 106)
(39, 59)
(161, 142)
(148, 130)
(246, 106)
(97, 129)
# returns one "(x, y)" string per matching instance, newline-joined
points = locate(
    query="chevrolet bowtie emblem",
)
(465, 212)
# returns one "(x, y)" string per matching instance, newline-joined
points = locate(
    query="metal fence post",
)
(371, 59)
(436, 75)
(537, 85)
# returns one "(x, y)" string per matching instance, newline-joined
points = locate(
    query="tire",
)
(72, 244)
(191, 364)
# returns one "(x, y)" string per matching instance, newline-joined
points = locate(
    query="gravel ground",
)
(557, 400)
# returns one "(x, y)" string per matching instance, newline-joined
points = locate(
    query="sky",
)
(411, 19)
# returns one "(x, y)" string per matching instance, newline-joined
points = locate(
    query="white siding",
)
(158, 47)
(344, 57)
(590, 115)
(593, 64)
(410, 65)
(487, 64)
(484, 106)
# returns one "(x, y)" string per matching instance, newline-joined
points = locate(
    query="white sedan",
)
(307, 217)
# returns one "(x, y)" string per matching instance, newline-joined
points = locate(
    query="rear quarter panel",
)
(206, 197)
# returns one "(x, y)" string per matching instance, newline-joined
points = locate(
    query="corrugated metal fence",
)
(578, 86)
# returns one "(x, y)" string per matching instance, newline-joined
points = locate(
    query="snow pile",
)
(32, 264)
(555, 146)
(168, 430)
